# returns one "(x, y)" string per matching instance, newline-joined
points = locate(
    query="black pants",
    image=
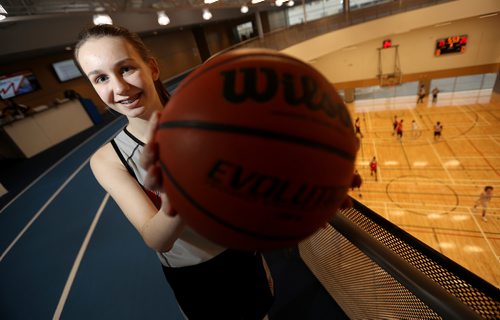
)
(232, 285)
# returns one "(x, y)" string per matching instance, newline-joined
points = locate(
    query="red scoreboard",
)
(453, 44)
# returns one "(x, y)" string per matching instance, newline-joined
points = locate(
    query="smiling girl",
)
(209, 281)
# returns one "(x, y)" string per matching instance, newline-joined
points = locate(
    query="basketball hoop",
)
(390, 79)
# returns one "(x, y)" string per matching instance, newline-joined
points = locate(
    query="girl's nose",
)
(120, 86)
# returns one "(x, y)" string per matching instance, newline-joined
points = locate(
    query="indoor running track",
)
(65, 247)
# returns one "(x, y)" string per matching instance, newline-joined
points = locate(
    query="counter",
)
(41, 130)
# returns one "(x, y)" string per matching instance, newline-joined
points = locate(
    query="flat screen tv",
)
(18, 83)
(66, 70)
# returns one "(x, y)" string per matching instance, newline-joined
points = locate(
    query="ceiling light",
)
(163, 19)
(290, 3)
(244, 9)
(210, 1)
(256, 1)
(278, 3)
(206, 14)
(102, 19)
(3, 13)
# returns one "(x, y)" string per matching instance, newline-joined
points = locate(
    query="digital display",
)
(453, 44)
(387, 43)
(66, 70)
(18, 83)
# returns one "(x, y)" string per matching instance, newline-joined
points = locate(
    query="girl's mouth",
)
(130, 100)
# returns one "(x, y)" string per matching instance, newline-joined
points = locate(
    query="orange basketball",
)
(257, 149)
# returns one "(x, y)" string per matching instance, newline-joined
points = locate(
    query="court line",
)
(57, 163)
(78, 260)
(373, 203)
(447, 232)
(466, 110)
(436, 238)
(484, 236)
(471, 157)
(456, 138)
(494, 140)
(478, 113)
(485, 159)
(440, 161)
(405, 154)
(39, 212)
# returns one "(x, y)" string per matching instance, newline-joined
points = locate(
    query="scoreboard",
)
(453, 44)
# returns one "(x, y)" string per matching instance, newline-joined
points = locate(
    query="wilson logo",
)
(297, 91)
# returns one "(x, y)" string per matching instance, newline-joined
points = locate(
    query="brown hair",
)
(107, 30)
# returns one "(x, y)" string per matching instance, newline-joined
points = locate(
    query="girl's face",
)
(121, 78)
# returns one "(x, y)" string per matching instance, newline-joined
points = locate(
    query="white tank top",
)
(190, 248)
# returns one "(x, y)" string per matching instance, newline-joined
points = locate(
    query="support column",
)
(258, 23)
(349, 95)
(496, 87)
(201, 42)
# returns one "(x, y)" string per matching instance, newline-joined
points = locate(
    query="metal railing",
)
(375, 270)
(286, 37)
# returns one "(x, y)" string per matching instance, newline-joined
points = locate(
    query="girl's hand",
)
(149, 161)
(355, 183)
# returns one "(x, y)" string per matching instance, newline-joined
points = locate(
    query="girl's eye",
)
(100, 79)
(126, 70)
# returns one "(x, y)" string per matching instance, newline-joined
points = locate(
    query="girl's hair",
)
(107, 30)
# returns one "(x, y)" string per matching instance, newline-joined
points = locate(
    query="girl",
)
(209, 281)
(373, 168)
(484, 200)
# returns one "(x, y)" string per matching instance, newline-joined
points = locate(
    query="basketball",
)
(256, 149)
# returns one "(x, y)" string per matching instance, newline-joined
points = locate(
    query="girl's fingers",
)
(152, 125)
(150, 153)
(166, 207)
(153, 179)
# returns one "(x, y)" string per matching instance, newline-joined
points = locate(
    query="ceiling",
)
(31, 8)
(35, 27)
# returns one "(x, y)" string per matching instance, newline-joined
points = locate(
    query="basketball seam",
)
(214, 217)
(222, 127)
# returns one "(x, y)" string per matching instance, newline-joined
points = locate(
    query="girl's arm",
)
(159, 228)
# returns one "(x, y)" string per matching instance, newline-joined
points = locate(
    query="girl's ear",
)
(155, 68)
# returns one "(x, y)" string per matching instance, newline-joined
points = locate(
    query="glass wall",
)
(479, 82)
(465, 83)
(377, 92)
(464, 90)
(313, 10)
(358, 4)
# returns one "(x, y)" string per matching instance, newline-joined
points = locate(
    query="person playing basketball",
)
(373, 168)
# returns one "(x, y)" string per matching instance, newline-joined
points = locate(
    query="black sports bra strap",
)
(122, 159)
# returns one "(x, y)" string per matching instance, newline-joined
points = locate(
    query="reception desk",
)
(41, 130)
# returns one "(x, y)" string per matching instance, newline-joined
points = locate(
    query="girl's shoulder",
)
(105, 158)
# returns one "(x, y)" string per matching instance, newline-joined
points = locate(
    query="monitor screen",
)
(66, 70)
(18, 83)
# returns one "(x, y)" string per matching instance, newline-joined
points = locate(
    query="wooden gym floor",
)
(428, 187)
